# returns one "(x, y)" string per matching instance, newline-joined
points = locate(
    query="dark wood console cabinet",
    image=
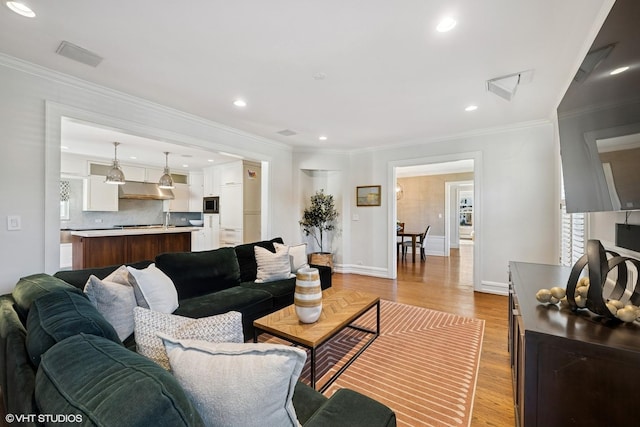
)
(569, 369)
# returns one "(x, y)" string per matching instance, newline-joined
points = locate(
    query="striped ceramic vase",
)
(308, 295)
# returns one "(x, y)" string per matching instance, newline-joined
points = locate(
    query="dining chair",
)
(399, 228)
(421, 243)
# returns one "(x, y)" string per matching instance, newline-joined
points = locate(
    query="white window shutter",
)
(573, 236)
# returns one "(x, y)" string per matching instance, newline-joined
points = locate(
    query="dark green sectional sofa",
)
(86, 371)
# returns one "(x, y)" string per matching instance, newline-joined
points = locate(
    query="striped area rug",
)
(423, 365)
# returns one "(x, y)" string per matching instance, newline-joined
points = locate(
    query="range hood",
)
(143, 191)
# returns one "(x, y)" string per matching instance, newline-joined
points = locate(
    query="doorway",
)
(429, 192)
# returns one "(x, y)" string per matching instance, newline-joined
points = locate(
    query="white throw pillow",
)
(272, 266)
(157, 288)
(297, 255)
(114, 298)
(238, 384)
(226, 327)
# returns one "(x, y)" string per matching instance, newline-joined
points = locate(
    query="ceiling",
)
(363, 73)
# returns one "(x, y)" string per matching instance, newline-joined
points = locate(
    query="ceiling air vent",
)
(287, 132)
(77, 53)
(505, 86)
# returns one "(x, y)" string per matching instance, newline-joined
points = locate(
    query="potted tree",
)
(317, 220)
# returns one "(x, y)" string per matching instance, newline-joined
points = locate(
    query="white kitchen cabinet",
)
(211, 181)
(198, 241)
(208, 237)
(231, 173)
(196, 191)
(230, 237)
(231, 212)
(180, 202)
(66, 256)
(99, 196)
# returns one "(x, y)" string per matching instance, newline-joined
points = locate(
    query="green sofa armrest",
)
(350, 408)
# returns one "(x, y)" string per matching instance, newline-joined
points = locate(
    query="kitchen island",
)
(101, 248)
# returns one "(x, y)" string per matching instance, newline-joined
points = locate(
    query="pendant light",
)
(165, 180)
(115, 174)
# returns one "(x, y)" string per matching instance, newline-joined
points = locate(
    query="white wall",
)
(31, 102)
(517, 177)
(518, 207)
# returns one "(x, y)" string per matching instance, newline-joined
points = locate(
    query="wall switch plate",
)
(355, 217)
(14, 222)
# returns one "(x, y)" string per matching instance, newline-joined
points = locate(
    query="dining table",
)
(414, 237)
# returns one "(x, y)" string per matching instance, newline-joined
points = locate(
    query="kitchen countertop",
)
(133, 231)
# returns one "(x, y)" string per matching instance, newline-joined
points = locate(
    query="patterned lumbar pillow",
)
(155, 288)
(114, 298)
(272, 266)
(222, 380)
(225, 327)
(297, 255)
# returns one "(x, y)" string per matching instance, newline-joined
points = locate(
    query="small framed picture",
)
(368, 195)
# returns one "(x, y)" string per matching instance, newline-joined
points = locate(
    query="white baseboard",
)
(361, 269)
(497, 288)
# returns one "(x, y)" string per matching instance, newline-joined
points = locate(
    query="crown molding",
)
(75, 82)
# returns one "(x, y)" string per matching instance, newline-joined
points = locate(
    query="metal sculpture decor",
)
(622, 292)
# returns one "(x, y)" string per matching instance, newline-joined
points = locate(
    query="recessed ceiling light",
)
(240, 103)
(64, 147)
(133, 157)
(322, 138)
(619, 70)
(210, 160)
(185, 166)
(21, 9)
(471, 108)
(446, 24)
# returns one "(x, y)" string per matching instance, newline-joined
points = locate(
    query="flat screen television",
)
(599, 119)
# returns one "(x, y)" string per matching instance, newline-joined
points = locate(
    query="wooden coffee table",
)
(340, 308)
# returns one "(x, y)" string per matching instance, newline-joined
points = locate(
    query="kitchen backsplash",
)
(131, 212)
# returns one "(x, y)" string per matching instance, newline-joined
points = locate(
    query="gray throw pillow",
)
(223, 380)
(225, 327)
(114, 298)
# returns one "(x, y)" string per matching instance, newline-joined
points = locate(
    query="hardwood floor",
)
(446, 284)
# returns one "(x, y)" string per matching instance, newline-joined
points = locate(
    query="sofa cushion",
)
(107, 385)
(114, 298)
(238, 384)
(31, 287)
(225, 327)
(281, 290)
(60, 314)
(78, 278)
(17, 374)
(199, 273)
(272, 266)
(247, 258)
(347, 408)
(154, 289)
(252, 303)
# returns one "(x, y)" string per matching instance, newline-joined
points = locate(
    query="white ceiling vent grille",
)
(287, 132)
(77, 53)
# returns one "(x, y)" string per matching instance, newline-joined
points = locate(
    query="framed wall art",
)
(368, 195)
